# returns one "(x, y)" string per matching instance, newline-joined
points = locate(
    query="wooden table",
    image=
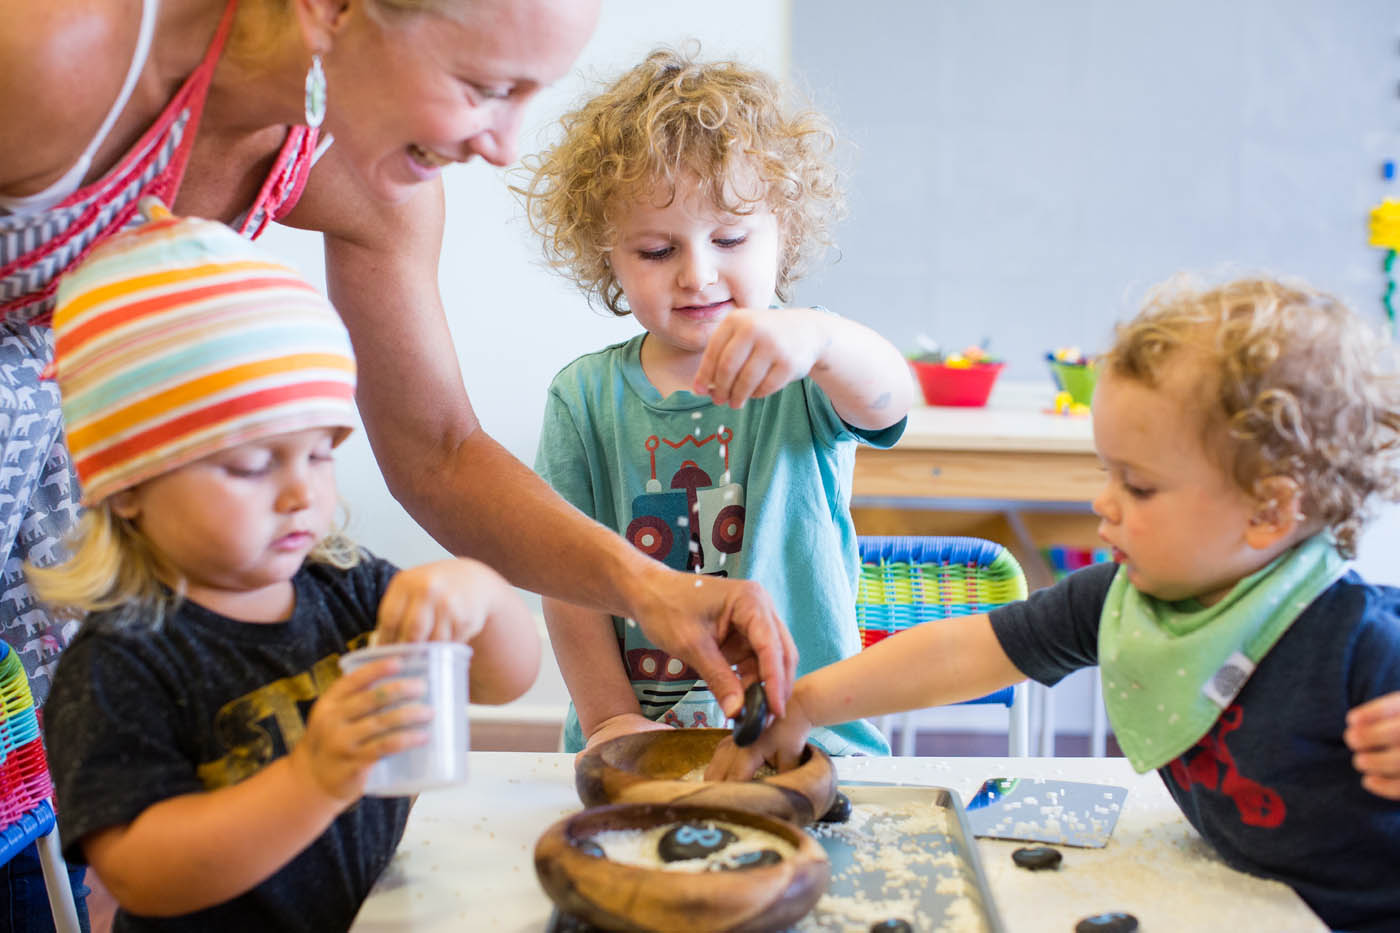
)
(467, 858)
(1011, 459)
(1011, 451)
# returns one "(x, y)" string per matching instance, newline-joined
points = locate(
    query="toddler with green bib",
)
(1243, 431)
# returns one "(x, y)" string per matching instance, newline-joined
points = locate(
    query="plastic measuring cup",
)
(442, 666)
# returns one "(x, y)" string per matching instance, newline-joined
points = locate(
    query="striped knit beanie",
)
(177, 339)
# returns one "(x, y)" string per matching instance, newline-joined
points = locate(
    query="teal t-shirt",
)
(761, 493)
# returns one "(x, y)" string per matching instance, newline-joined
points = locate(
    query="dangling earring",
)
(315, 93)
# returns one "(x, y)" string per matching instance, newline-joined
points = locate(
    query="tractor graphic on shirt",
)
(693, 523)
(697, 522)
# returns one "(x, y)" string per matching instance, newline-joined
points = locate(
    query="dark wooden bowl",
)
(646, 767)
(616, 896)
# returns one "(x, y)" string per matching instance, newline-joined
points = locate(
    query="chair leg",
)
(1018, 729)
(1098, 728)
(1046, 743)
(885, 724)
(907, 730)
(65, 912)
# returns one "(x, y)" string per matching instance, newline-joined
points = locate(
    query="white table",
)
(467, 857)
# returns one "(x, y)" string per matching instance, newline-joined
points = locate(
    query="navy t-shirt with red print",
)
(1271, 786)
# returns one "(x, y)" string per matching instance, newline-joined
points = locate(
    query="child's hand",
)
(1373, 733)
(781, 742)
(356, 722)
(449, 600)
(622, 724)
(755, 352)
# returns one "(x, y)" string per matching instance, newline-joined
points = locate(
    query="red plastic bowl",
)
(948, 385)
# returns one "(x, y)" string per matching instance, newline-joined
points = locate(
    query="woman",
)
(214, 105)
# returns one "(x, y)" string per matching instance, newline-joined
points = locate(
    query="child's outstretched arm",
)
(1373, 733)
(755, 352)
(197, 850)
(585, 646)
(931, 664)
(464, 600)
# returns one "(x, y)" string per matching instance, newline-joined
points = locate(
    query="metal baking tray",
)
(947, 889)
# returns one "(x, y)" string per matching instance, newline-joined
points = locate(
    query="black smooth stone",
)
(840, 810)
(1037, 857)
(561, 922)
(892, 925)
(589, 847)
(692, 840)
(749, 723)
(1115, 922)
(748, 860)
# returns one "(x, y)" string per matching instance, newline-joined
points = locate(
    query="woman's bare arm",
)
(467, 490)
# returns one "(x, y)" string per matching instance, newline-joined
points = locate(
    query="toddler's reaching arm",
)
(755, 352)
(193, 851)
(938, 662)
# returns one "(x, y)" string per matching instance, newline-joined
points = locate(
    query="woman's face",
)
(409, 93)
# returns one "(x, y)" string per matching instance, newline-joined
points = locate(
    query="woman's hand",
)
(450, 600)
(1373, 733)
(360, 718)
(714, 623)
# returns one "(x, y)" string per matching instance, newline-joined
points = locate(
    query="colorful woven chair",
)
(26, 813)
(908, 580)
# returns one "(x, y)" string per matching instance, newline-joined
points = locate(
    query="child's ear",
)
(1278, 511)
(125, 504)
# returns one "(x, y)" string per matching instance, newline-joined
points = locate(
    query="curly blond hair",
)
(669, 118)
(1302, 388)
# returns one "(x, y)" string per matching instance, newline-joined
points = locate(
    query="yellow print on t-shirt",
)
(249, 727)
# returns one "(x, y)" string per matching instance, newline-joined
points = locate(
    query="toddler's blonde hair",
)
(672, 118)
(1297, 385)
(112, 565)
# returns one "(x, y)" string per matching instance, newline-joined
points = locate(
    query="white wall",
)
(514, 322)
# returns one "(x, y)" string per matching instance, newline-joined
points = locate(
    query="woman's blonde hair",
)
(1299, 387)
(669, 118)
(113, 566)
(260, 23)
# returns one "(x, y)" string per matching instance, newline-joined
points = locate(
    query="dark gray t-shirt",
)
(1271, 786)
(137, 717)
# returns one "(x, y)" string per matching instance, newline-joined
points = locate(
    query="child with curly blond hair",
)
(1244, 431)
(689, 196)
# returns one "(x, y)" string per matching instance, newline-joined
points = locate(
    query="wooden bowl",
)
(646, 767)
(617, 896)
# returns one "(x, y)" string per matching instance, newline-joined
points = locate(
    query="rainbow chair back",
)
(26, 813)
(908, 580)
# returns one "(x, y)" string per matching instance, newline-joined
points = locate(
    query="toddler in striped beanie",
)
(177, 341)
(209, 759)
